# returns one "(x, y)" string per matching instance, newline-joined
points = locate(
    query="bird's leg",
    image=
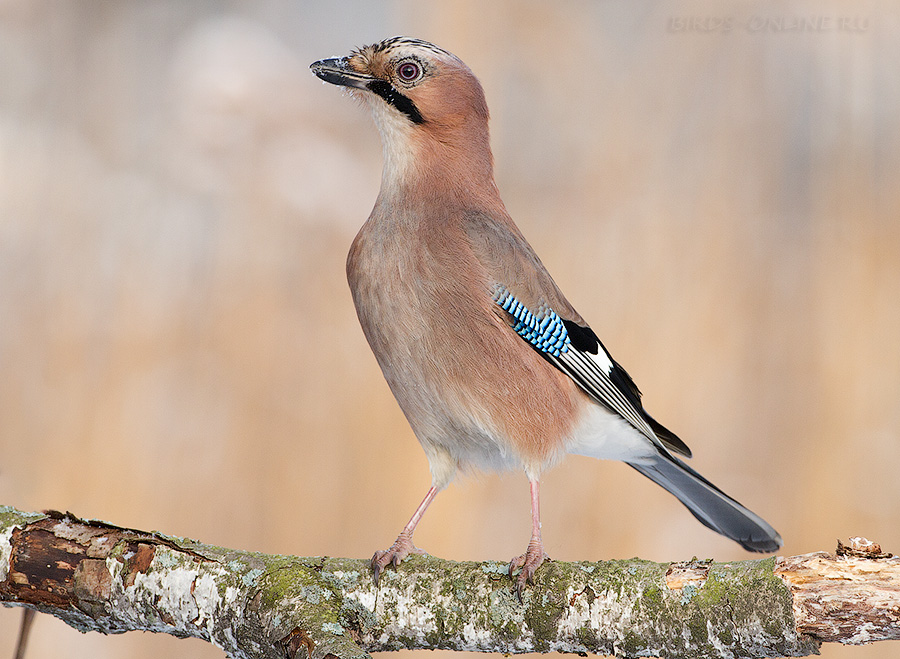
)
(534, 555)
(403, 546)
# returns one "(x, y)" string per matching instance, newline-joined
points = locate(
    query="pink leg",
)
(534, 555)
(403, 546)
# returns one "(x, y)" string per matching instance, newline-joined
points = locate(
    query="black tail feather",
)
(710, 505)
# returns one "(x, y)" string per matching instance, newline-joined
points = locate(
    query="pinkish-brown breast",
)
(464, 379)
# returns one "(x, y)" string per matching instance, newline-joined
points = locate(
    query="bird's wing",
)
(530, 302)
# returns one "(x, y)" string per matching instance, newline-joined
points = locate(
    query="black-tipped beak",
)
(337, 71)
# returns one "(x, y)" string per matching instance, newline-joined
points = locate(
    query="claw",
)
(401, 548)
(527, 564)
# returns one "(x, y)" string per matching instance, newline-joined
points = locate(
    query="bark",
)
(100, 577)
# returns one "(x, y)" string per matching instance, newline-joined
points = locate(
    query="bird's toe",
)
(401, 548)
(527, 564)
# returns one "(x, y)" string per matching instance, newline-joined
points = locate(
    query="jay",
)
(490, 363)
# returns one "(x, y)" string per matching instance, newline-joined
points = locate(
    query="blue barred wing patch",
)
(544, 330)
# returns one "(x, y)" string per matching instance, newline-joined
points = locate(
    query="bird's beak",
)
(337, 71)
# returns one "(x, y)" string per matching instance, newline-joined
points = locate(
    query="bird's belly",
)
(475, 394)
(448, 403)
(436, 386)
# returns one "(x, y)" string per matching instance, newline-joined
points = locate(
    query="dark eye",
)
(409, 71)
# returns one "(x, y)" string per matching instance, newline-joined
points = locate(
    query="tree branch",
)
(100, 577)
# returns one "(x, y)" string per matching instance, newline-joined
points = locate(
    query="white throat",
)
(397, 140)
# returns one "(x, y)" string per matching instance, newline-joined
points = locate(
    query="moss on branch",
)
(106, 578)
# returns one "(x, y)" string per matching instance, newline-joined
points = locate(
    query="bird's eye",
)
(409, 71)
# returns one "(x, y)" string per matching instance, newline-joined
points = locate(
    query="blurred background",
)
(716, 186)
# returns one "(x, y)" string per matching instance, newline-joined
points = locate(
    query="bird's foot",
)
(401, 548)
(527, 564)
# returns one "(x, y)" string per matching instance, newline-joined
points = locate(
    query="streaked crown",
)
(424, 83)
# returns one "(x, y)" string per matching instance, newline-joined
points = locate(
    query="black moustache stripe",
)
(398, 100)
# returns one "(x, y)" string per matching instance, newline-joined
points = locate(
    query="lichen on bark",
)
(97, 576)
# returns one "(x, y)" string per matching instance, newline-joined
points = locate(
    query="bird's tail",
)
(710, 505)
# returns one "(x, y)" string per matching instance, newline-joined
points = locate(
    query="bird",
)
(492, 366)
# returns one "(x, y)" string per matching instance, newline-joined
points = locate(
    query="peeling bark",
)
(853, 598)
(100, 577)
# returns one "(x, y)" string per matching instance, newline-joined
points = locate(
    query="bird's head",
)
(426, 102)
